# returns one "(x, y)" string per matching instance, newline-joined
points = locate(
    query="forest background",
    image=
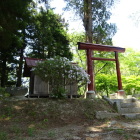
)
(32, 29)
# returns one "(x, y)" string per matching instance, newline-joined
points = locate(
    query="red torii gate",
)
(97, 47)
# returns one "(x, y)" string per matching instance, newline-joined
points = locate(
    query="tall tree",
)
(12, 16)
(49, 36)
(87, 20)
(94, 14)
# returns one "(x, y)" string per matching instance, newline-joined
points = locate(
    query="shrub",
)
(131, 84)
(106, 83)
(3, 93)
(59, 72)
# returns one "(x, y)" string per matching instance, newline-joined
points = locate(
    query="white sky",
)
(128, 33)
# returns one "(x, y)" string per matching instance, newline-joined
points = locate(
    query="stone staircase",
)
(129, 108)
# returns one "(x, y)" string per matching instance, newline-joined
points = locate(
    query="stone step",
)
(130, 105)
(130, 110)
(131, 100)
(105, 115)
(132, 115)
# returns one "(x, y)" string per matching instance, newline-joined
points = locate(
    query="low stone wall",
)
(15, 91)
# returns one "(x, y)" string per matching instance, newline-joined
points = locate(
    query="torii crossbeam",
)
(97, 47)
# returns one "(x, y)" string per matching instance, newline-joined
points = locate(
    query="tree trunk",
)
(88, 25)
(87, 20)
(3, 73)
(19, 72)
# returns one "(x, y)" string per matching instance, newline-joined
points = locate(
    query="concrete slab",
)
(130, 105)
(132, 116)
(105, 115)
(130, 110)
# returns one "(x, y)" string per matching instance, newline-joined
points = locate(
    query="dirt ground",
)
(66, 119)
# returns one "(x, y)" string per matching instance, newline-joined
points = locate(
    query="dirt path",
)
(113, 130)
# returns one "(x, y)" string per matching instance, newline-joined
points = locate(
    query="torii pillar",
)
(97, 47)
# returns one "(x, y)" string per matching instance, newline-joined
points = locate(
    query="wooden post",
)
(90, 69)
(118, 72)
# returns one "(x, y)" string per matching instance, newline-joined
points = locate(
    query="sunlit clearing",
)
(17, 107)
(94, 129)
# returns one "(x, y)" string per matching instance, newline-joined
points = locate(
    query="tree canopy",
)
(94, 14)
(27, 30)
(49, 36)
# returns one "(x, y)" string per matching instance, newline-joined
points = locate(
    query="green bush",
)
(59, 72)
(131, 84)
(3, 136)
(3, 93)
(106, 83)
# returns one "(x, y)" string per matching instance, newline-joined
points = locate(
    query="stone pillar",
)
(90, 94)
(121, 94)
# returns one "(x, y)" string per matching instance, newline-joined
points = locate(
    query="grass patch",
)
(51, 134)
(31, 132)
(3, 136)
(23, 119)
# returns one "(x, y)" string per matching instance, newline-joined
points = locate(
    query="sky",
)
(125, 15)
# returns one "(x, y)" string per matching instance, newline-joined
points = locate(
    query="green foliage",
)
(106, 67)
(11, 14)
(131, 84)
(7, 112)
(51, 134)
(130, 62)
(106, 83)
(59, 72)
(78, 56)
(59, 92)
(3, 135)
(14, 16)
(15, 129)
(22, 27)
(3, 93)
(100, 10)
(31, 131)
(49, 36)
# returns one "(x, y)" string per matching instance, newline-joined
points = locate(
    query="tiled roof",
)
(32, 62)
(29, 63)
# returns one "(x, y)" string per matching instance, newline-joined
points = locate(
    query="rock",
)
(136, 95)
(105, 114)
(76, 138)
(89, 138)
(14, 91)
(112, 123)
